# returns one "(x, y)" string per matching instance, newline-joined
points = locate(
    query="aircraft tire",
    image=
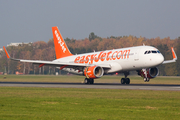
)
(91, 81)
(146, 79)
(123, 80)
(86, 81)
(127, 80)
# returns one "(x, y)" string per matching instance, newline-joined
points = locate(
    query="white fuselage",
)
(124, 59)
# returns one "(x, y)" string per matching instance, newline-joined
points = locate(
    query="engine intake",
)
(153, 72)
(93, 72)
(149, 73)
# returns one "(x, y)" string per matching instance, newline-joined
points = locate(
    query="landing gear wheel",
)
(127, 80)
(146, 79)
(91, 81)
(88, 81)
(123, 80)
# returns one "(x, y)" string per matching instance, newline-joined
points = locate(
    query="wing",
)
(55, 63)
(174, 57)
(58, 64)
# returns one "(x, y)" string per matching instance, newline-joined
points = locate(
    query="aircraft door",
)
(136, 54)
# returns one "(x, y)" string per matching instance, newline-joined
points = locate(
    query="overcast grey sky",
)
(31, 20)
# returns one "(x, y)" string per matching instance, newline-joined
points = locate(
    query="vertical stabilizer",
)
(61, 48)
(7, 54)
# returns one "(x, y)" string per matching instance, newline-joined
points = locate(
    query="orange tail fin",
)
(61, 48)
(8, 56)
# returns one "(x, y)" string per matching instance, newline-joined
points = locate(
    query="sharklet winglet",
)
(7, 54)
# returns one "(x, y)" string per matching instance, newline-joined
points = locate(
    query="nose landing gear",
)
(146, 79)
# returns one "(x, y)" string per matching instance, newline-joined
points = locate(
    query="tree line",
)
(41, 50)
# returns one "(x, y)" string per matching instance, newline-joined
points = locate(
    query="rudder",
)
(61, 48)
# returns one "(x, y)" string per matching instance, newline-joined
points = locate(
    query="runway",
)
(94, 86)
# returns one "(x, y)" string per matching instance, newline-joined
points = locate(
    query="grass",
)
(87, 104)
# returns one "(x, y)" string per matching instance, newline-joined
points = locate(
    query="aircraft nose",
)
(160, 59)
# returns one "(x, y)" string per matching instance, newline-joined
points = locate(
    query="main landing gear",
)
(125, 80)
(88, 81)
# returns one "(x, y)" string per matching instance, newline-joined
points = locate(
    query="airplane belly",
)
(131, 65)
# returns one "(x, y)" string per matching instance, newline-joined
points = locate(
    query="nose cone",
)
(160, 59)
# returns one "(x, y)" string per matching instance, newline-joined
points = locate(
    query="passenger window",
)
(154, 51)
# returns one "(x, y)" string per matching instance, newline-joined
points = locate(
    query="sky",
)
(31, 20)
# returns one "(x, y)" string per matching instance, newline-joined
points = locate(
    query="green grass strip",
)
(87, 104)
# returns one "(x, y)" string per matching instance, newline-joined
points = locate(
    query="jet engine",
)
(149, 73)
(93, 72)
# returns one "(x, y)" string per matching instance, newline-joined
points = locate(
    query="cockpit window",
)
(154, 51)
(151, 51)
(158, 51)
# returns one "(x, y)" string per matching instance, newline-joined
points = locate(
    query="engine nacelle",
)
(149, 73)
(93, 72)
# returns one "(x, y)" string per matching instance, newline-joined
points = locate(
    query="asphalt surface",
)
(94, 86)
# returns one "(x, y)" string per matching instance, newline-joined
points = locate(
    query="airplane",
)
(143, 59)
